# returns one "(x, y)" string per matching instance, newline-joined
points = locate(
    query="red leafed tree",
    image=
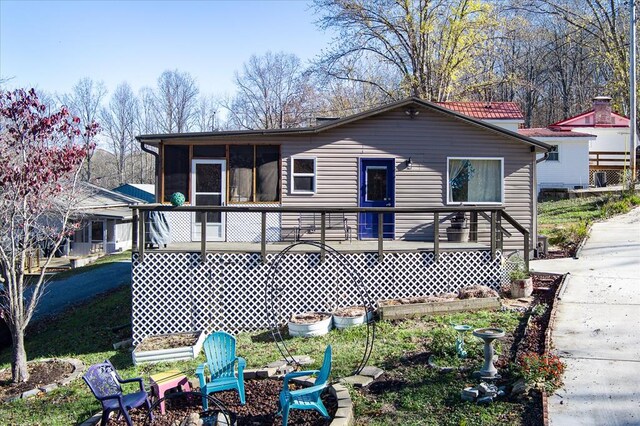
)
(39, 166)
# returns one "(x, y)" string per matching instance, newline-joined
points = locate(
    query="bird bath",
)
(461, 329)
(488, 335)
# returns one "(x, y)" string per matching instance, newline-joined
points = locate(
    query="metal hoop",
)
(273, 293)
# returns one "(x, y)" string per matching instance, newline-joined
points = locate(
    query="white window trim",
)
(314, 175)
(478, 203)
(557, 151)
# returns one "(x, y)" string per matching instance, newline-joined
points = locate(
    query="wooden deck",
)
(395, 246)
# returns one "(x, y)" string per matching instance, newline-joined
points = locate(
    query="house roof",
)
(545, 132)
(587, 119)
(142, 191)
(101, 202)
(408, 102)
(486, 110)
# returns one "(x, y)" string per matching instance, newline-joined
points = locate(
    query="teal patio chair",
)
(307, 398)
(220, 349)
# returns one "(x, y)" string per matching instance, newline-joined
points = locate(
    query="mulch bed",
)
(260, 408)
(350, 312)
(40, 374)
(471, 292)
(309, 317)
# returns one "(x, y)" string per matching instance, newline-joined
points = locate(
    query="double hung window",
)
(475, 180)
(303, 175)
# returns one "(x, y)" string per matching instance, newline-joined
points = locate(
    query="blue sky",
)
(50, 45)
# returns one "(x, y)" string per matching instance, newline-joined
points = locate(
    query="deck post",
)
(323, 236)
(134, 230)
(203, 238)
(526, 250)
(473, 227)
(436, 236)
(493, 234)
(500, 234)
(380, 237)
(141, 233)
(263, 238)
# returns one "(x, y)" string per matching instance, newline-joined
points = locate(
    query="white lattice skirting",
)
(175, 292)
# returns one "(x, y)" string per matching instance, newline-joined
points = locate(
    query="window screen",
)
(176, 170)
(241, 173)
(267, 173)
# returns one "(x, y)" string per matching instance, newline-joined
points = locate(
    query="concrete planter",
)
(311, 329)
(521, 288)
(173, 354)
(411, 310)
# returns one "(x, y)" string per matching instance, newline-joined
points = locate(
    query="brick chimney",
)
(602, 109)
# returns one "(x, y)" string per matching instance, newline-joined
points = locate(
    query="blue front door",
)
(377, 189)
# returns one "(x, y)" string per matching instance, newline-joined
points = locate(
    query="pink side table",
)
(162, 382)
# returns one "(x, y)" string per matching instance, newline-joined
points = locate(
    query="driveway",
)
(596, 331)
(61, 294)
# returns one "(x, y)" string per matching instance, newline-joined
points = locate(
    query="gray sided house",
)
(410, 154)
(420, 162)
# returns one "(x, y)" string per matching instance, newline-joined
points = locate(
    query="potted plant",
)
(310, 324)
(521, 281)
(459, 230)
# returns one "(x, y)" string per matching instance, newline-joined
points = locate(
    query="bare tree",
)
(85, 101)
(206, 114)
(426, 45)
(273, 91)
(119, 123)
(175, 102)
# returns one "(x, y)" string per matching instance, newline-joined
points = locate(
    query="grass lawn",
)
(422, 395)
(566, 222)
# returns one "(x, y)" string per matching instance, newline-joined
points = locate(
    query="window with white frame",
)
(553, 154)
(303, 175)
(475, 180)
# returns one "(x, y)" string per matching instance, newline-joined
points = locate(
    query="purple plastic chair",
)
(104, 381)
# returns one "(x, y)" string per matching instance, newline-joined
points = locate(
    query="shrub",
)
(542, 371)
(569, 237)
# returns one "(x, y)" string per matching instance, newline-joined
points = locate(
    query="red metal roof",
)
(486, 110)
(545, 132)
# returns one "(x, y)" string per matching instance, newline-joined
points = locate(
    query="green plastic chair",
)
(307, 398)
(220, 349)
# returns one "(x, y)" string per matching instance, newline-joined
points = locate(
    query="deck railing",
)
(494, 216)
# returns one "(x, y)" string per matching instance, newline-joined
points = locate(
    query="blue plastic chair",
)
(220, 349)
(104, 381)
(307, 398)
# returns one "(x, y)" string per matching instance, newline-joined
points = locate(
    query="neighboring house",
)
(507, 115)
(609, 151)
(410, 153)
(567, 164)
(143, 191)
(106, 222)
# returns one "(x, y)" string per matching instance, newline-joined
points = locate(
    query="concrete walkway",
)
(597, 329)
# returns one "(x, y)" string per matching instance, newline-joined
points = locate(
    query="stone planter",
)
(411, 310)
(343, 319)
(521, 288)
(177, 353)
(299, 327)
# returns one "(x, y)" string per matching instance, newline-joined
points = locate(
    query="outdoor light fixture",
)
(408, 163)
(411, 112)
